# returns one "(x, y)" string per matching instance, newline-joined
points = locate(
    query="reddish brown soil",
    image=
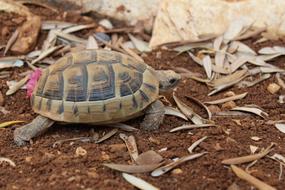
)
(40, 166)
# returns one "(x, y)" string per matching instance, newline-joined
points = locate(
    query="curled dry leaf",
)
(231, 98)
(162, 170)
(252, 180)
(241, 47)
(133, 168)
(149, 158)
(139, 183)
(17, 86)
(131, 145)
(107, 135)
(9, 161)
(175, 112)
(195, 144)
(253, 110)
(188, 112)
(189, 126)
(249, 158)
(202, 105)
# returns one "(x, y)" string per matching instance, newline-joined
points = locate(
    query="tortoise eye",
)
(172, 81)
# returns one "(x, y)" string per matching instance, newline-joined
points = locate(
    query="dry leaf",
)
(255, 138)
(132, 168)
(162, 170)
(175, 112)
(195, 144)
(272, 50)
(253, 110)
(142, 46)
(9, 161)
(280, 127)
(17, 86)
(231, 98)
(249, 158)
(189, 126)
(8, 62)
(77, 28)
(252, 180)
(11, 41)
(207, 64)
(234, 30)
(139, 183)
(131, 145)
(149, 158)
(253, 149)
(55, 24)
(244, 84)
(107, 136)
(201, 104)
(188, 112)
(46, 53)
(124, 127)
(91, 43)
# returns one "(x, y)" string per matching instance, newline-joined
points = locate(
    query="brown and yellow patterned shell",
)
(95, 86)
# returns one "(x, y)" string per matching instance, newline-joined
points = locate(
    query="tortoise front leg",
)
(31, 130)
(154, 115)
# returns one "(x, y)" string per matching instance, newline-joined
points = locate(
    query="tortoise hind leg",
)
(154, 115)
(31, 130)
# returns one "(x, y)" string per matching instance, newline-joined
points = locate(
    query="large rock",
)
(190, 20)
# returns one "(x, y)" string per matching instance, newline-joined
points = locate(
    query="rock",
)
(117, 148)
(214, 109)
(273, 88)
(229, 105)
(80, 151)
(229, 94)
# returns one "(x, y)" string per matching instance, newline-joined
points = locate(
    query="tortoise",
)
(97, 87)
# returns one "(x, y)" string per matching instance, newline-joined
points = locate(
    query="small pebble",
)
(80, 151)
(229, 94)
(273, 88)
(100, 36)
(154, 140)
(229, 105)
(104, 156)
(214, 109)
(177, 171)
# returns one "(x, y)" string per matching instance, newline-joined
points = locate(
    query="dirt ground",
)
(40, 166)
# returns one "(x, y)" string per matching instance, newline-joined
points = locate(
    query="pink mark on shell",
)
(34, 77)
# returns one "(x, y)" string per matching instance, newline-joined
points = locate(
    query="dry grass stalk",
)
(195, 144)
(107, 135)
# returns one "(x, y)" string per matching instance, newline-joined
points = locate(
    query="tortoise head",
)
(167, 79)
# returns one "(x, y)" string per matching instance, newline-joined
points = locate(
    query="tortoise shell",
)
(95, 86)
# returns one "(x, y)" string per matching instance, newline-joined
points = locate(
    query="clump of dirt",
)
(42, 166)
